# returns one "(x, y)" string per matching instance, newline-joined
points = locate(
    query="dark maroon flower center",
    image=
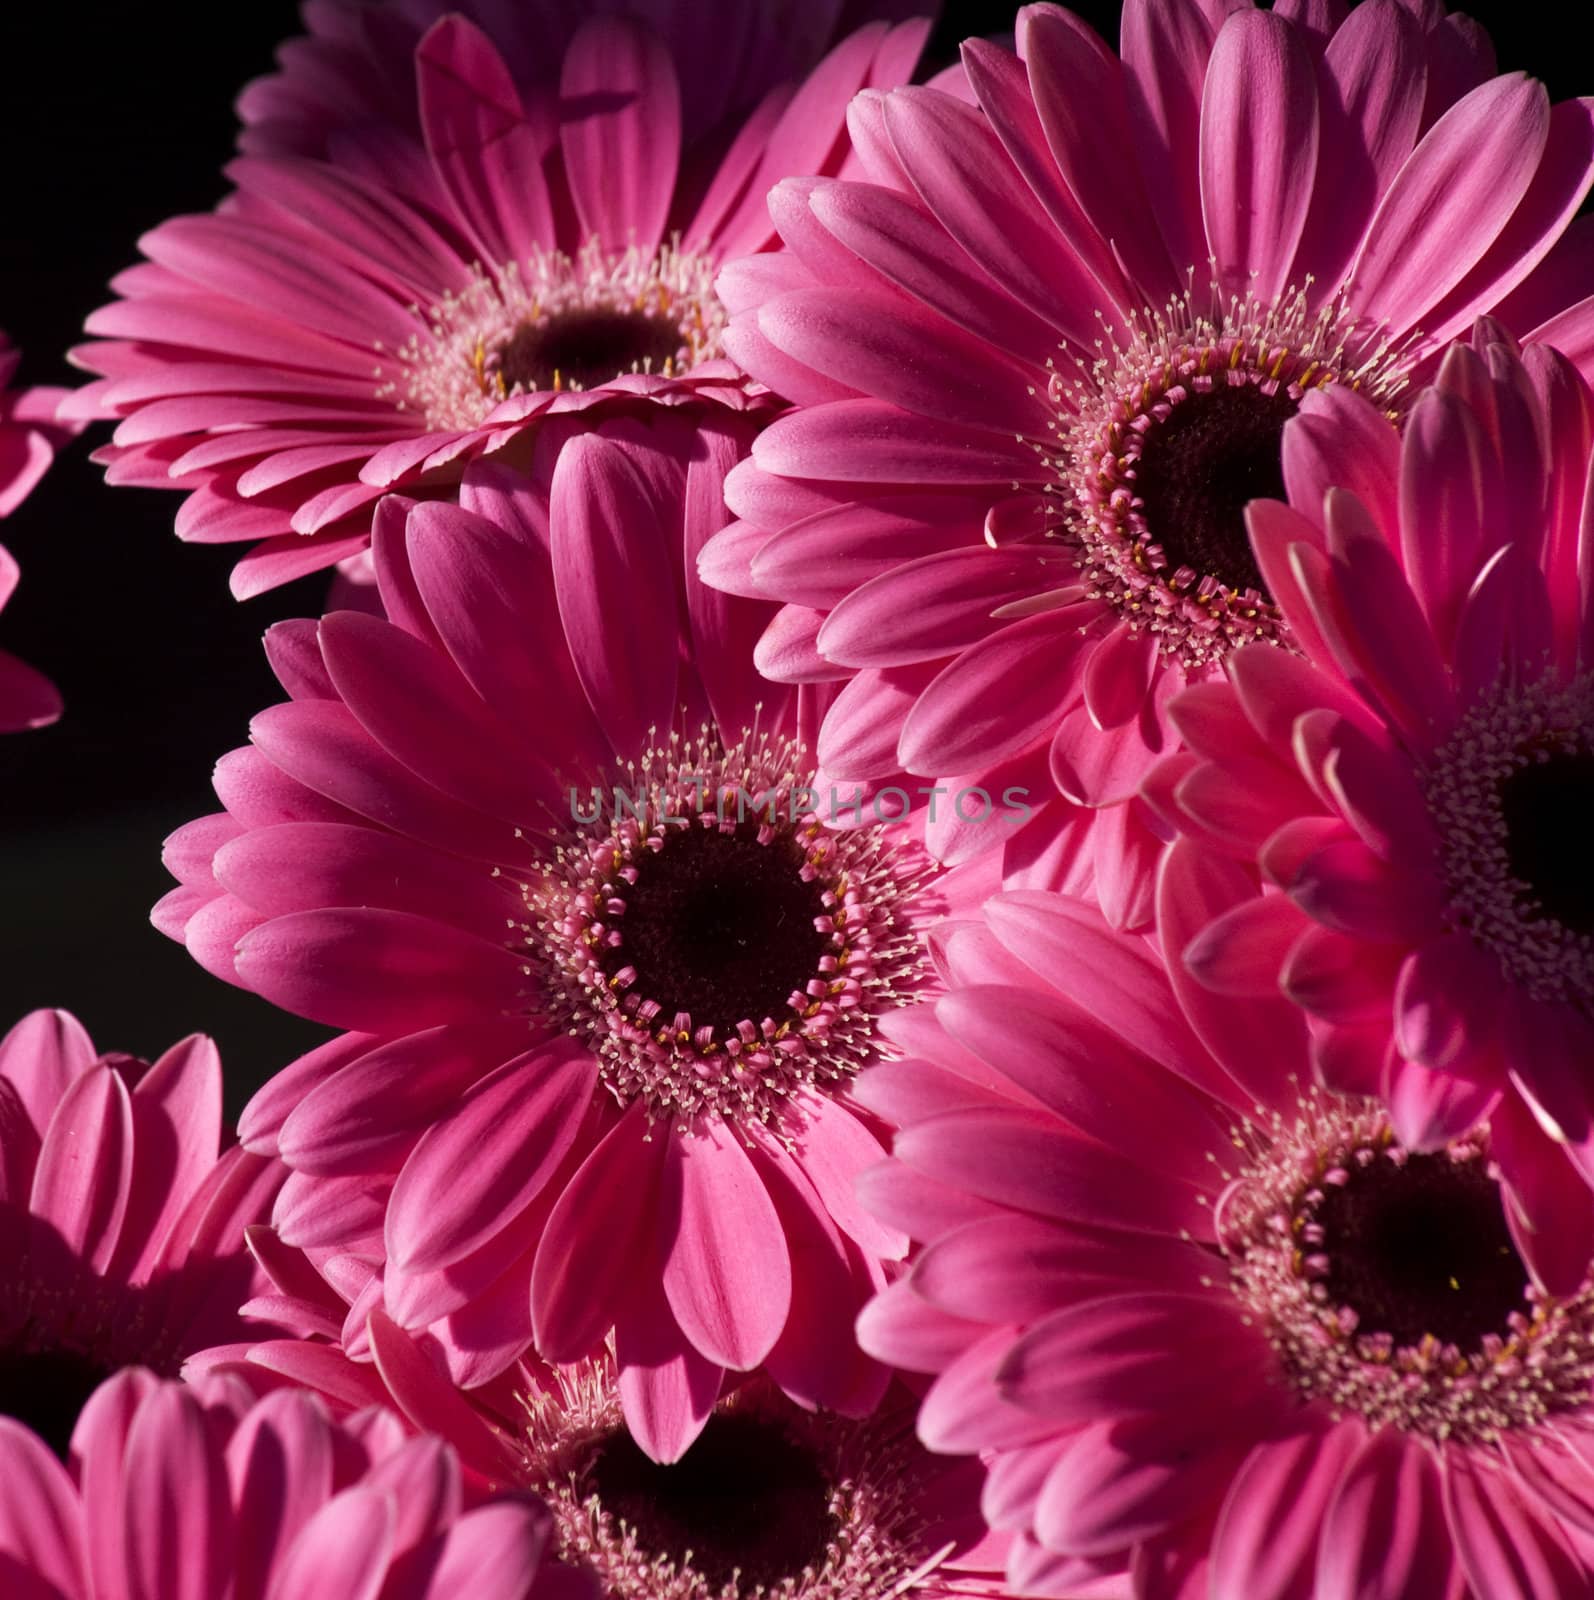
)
(1420, 1247)
(745, 1499)
(720, 926)
(1198, 467)
(47, 1390)
(1547, 806)
(586, 348)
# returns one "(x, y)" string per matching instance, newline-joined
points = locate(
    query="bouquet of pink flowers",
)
(935, 813)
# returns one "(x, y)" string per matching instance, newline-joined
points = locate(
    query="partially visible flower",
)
(29, 438)
(205, 1491)
(479, 227)
(1420, 787)
(770, 1500)
(1204, 1316)
(1044, 357)
(560, 860)
(121, 1219)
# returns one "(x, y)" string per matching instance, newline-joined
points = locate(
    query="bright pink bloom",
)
(546, 844)
(172, 1491)
(1012, 337)
(1205, 1316)
(1419, 787)
(767, 1487)
(514, 220)
(121, 1222)
(29, 438)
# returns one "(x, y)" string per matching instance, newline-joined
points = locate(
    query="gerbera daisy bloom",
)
(1070, 321)
(770, 1500)
(519, 219)
(608, 969)
(1417, 787)
(172, 1490)
(29, 438)
(121, 1223)
(1204, 1315)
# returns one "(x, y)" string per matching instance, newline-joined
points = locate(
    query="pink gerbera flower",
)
(176, 1491)
(1418, 787)
(1070, 321)
(771, 1499)
(511, 221)
(121, 1228)
(609, 970)
(1204, 1316)
(29, 438)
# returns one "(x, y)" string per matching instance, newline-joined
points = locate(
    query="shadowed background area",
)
(112, 119)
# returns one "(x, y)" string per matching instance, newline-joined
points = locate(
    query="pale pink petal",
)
(1259, 132)
(727, 1270)
(510, 1132)
(177, 1515)
(341, 1553)
(85, 1169)
(601, 1223)
(1507, 1547)
(620, 130)
(41, 1520)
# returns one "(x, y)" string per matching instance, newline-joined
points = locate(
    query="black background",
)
(113, 117)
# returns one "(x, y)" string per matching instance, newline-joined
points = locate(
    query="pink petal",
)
(883, 345)
(85, 1169)
(620, 131)
(997, 698)
(1266, 1545)
(1241, 952)
(1507, 1548)
(1339, 440)
(497, 1549)
(831, 1148)
(829, 1285)
(431, 1402)
(1260, 1045)
(667, 1389)
(1079, 92)
(414, 704)
(599, 1227)
(1118, 676)
(1258, 151)
(1059, 1054)
(1385, 1535)
(605, 542)
(1114, 978)
(377, 971)
(1032, 1163)
(1438, 1014)
(510, 1133)
(1451, 198)
(176, 1512)
(867, 441)
(342, 1553)
(489, 160)
(366, 1114)
(727, 1271)
(1137, 1355)
(1019, 1269)
(40, 1057)
(1427, 1109)
(1165, 49)
(958, 167)
(41, 1519)
(929, 608)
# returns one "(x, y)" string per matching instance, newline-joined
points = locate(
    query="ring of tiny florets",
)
(870, 883)
(1539, 1365)
(1143, 371)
